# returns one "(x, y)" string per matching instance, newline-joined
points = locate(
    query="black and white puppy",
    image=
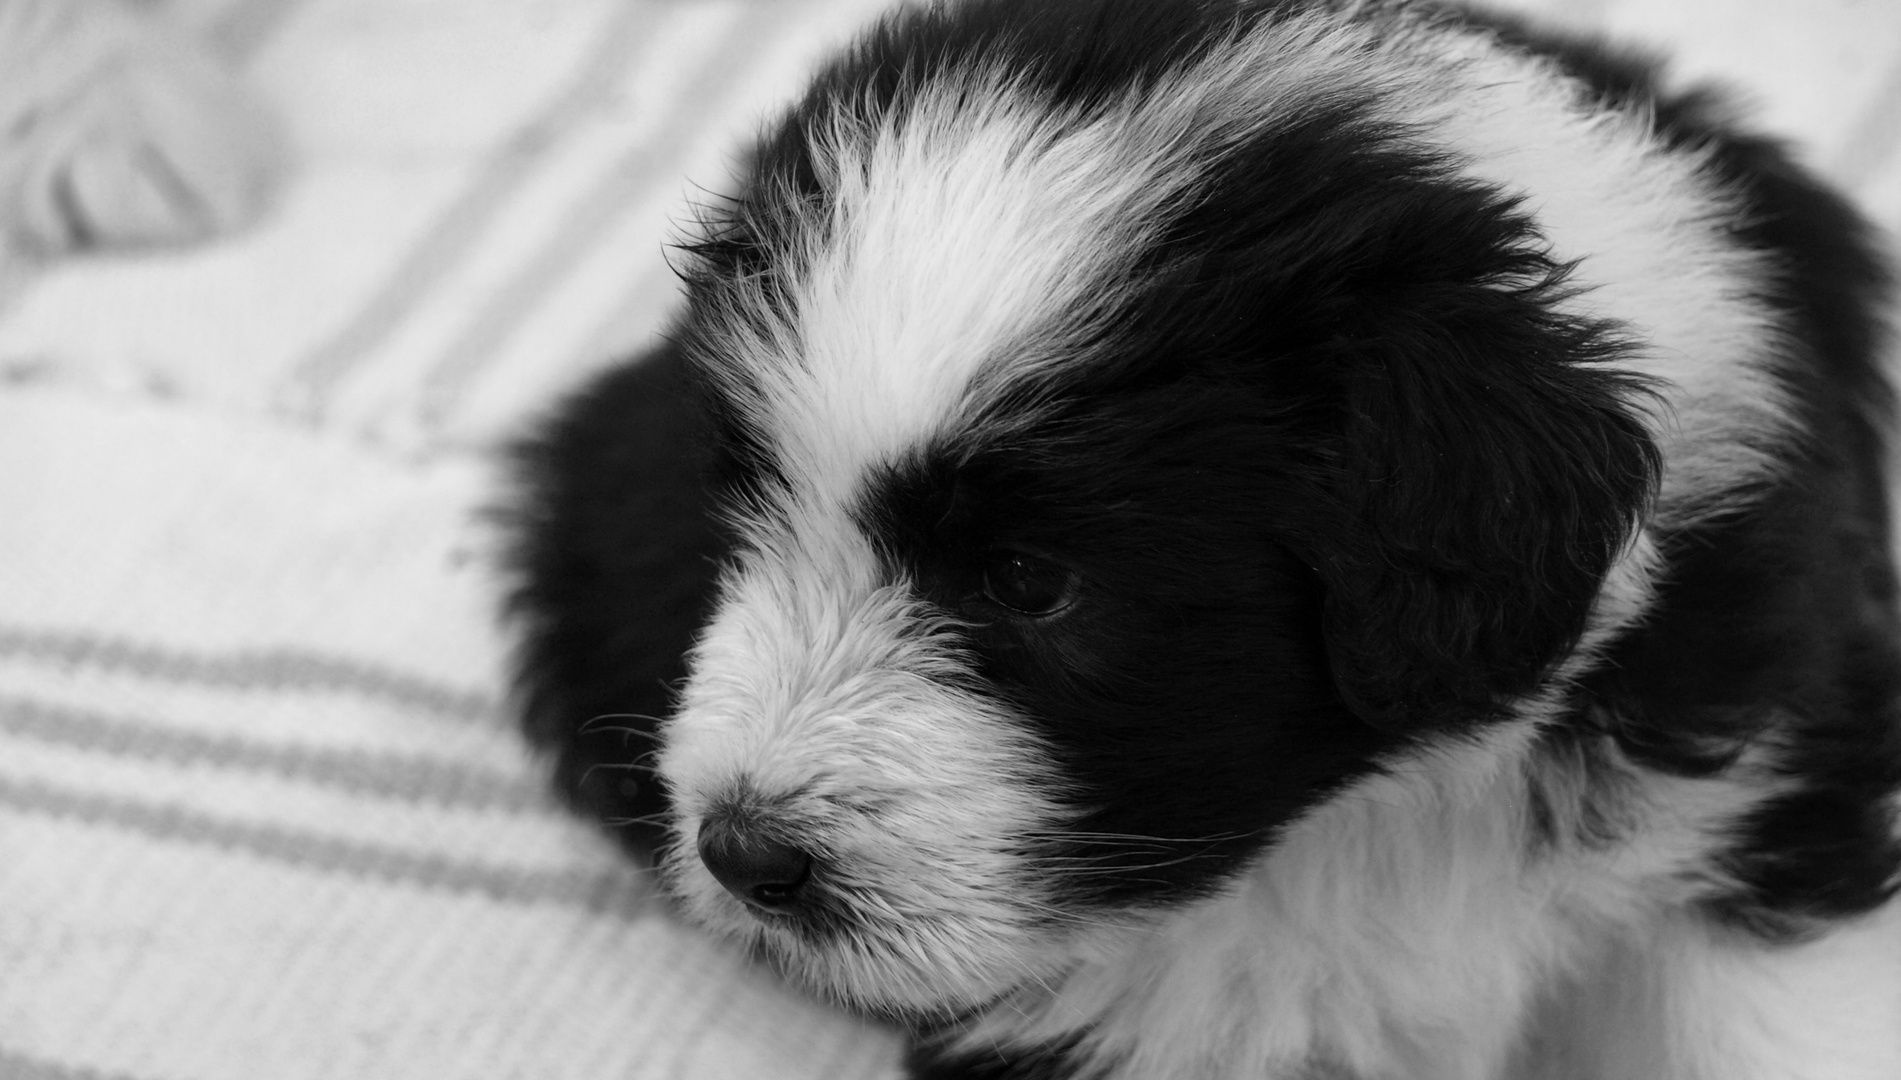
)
(1256, 538)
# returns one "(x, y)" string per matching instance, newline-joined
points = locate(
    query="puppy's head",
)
(1130, 436)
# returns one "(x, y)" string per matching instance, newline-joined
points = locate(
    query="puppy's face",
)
(1038, 666)
(1114, 474)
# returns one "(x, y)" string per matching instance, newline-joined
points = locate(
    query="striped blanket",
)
(263, 815)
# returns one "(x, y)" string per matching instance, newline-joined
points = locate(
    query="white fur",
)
(1689, 1001)
(1403, 931)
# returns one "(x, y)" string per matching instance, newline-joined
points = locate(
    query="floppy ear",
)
(1491, 467)
(614, 551)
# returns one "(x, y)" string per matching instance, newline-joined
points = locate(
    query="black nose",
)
(764, 872)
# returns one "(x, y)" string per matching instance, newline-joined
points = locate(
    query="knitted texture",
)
(263, 811)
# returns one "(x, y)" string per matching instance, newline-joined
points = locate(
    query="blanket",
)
(263, 811)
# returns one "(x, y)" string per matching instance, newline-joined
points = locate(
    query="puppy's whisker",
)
(1124, 839)
(594, 724)
(615, 767)
(644, 820)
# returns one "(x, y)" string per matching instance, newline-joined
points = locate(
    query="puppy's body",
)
(1258, 539)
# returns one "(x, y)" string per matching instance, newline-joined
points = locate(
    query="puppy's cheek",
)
(921, 807)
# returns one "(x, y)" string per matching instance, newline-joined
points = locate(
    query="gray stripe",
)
(447, 241)
(293, 670)
(16, 1066)
(581, 228)
(386, 776)
(624, 892)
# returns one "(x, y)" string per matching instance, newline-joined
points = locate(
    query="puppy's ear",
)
(1491, 466)
(614, 559)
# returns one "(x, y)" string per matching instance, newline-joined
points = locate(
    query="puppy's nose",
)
(766, 873)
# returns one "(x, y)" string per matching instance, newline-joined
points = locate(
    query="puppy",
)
(119, 128)
(1255, 538)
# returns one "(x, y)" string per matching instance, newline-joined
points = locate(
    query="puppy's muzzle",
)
(765, 872)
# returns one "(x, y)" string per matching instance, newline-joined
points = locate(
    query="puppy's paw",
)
(139, 138)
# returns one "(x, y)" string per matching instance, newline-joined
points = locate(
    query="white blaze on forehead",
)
(979, 234)
(970, 229)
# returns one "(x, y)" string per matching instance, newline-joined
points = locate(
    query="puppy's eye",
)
(1028, 584)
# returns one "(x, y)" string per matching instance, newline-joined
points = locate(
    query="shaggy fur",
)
(1255, 538)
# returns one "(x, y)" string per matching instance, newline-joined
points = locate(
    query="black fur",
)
(616, 555)
(1057, 1062)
